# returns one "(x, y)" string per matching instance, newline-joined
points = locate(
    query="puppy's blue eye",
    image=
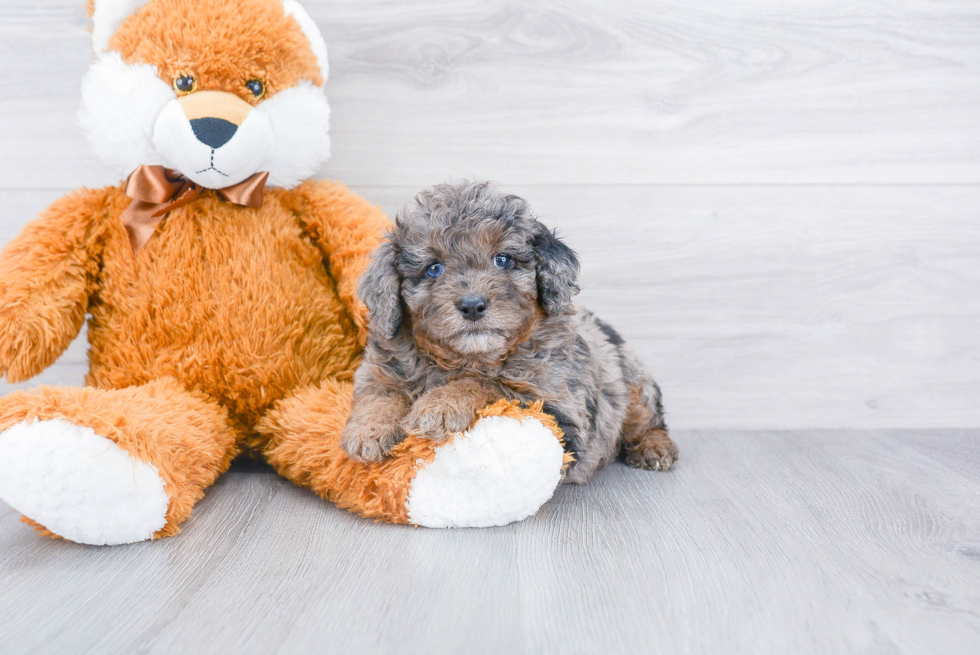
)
(435, 270)
(503, 261)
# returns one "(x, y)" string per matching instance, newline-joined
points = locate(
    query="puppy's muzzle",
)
(472, 306)
(214, 115)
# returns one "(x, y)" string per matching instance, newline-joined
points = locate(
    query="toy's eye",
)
(503, 261)
(256, 87)
(185, 84)
(435, 270)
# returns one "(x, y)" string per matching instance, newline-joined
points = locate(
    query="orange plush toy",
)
(220, 289)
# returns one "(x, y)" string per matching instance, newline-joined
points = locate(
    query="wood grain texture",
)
(762, 307)
(578, 92)
(764, 542)
(776, 203)
(771, 306)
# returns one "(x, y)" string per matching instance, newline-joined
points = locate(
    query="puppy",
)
(470, 301)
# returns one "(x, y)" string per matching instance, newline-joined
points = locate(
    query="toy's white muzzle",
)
(214, 138)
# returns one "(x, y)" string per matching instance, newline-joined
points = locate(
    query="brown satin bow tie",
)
(156, 190)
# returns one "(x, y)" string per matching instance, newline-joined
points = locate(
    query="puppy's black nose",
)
(472, 307)
(214, 132)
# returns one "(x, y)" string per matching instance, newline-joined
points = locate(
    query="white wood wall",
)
(777, 202)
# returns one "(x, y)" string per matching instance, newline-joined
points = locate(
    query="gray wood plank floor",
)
(758, 542)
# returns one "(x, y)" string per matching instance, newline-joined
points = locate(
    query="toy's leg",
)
(110, 466)
(499, 471)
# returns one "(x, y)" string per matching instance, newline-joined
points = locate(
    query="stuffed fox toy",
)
(219, 287)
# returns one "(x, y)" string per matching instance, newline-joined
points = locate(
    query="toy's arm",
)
(47, 274)
(347, 229)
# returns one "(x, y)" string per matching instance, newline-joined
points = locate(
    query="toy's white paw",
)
(80, 485)
(500, 471)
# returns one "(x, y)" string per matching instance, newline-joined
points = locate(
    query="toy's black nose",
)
(214, 132)
(472, 307)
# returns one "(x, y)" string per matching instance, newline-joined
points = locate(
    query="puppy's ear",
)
(380, 291)
(557, 270)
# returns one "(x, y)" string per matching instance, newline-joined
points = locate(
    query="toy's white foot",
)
(80, 485)
(500, 471)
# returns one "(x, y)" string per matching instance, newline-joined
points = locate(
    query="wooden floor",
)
(758, 542)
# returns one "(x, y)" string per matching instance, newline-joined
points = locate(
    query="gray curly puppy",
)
(470, 301)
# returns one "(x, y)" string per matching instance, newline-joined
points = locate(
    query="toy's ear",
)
(312, 32)
(107, 17)
(557, 270)
(381, 290)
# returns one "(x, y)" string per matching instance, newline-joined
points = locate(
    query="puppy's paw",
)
(438, 416)
(370, 443)
(653, 451)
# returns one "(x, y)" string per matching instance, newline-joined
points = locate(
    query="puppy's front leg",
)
(442, 412)
(374, 426)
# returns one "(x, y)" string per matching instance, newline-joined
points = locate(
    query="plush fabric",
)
(233, 329)
(304, 446)
(119, 499)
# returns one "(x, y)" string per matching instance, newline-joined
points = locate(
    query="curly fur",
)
(428, 369)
